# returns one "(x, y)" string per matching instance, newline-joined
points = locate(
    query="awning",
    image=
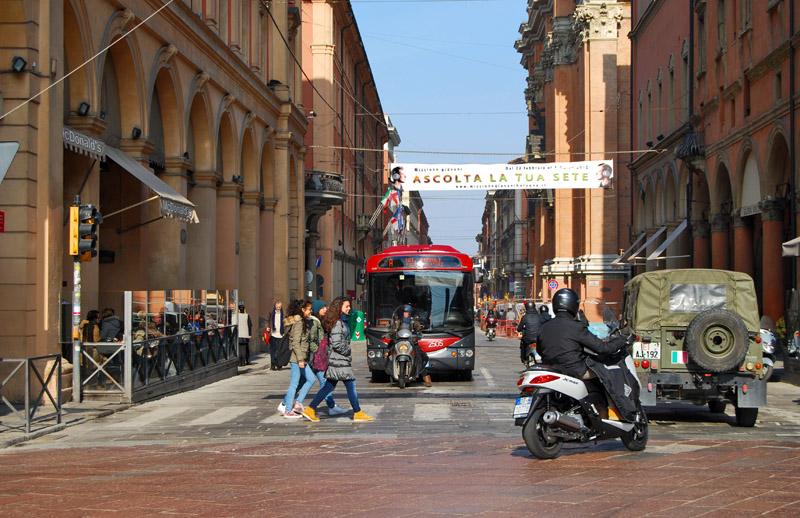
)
(791, 248)
(624, 255)
(670, 238)
(648, 242)
(173, 204)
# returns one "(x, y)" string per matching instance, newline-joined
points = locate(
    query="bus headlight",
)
(470, 352)
(371, 354)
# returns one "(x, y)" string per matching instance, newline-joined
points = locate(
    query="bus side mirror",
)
(477, 272)
(361, 278)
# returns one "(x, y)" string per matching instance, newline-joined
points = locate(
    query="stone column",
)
(140, 151)
(742, 244)
(720, 241)
(201, 237)
(772, 275)
(702, 250)
(280, 242)
(266, 263)
(227, 237)
(166, 252)
(249, 233)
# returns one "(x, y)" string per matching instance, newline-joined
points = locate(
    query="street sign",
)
(2, 221)
(553, 285)
(319, 261)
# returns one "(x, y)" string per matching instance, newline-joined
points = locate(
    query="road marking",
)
(220, 416)
(148, 418)
(432, 412)
(489, 378)
(674, 448)
(783, 415)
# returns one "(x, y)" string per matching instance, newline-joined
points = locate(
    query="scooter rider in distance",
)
(529, 327)
(562, 339)
(414, 325)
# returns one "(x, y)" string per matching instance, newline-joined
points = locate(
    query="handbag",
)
(283, 353)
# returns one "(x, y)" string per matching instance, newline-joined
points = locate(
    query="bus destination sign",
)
(420, 262)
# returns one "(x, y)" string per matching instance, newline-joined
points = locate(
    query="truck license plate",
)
(522, 407)
(646, 351)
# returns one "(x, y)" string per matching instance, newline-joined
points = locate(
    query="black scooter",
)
(491, 325)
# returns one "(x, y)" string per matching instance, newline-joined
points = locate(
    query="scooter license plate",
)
(522, 407)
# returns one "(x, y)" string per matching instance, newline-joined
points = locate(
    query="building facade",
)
(724, 171)
(185, 127)
(577, 54)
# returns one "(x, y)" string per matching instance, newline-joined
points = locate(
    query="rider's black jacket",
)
(561, 343)
(529, 327)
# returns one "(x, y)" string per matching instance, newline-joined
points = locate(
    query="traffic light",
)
(74, 224)
(89, 222)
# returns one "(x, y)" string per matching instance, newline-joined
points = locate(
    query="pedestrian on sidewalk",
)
(276, 332)
(319, 356)
(340, 361)
(244, 326)
(297, 326)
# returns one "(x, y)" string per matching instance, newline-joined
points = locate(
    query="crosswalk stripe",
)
(220, 416)
(432, 412)
(150, 417)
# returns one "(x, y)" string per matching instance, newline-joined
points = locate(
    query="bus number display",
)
(422, 262)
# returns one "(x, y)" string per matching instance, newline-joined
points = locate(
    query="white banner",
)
(554, 175)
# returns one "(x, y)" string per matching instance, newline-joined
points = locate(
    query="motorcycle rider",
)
(415, 326)
(562, 339)
(529, 327)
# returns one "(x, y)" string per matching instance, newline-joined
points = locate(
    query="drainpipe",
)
(792, 158)
(690, 187)
(341, 155)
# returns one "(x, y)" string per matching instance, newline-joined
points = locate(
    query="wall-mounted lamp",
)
(18, 64)
(312, 114)
(83, 109)
(186, 155)
(649, 143)
(103, 115)
(136, 133)
(660, 138)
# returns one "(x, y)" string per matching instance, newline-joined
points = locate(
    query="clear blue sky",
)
(450, 79)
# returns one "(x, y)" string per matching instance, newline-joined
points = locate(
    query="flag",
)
(397, 219)
(389, 197)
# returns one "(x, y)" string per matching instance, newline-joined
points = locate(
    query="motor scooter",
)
(769, 345)
(529, 356)
(491, 325)
(402, 358)
(554, 407)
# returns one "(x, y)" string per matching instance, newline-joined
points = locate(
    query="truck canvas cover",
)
(675, 297)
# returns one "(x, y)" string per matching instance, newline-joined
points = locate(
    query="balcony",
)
(323, 191)
(691, 149)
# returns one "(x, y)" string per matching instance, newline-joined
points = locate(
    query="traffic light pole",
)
(76, 320)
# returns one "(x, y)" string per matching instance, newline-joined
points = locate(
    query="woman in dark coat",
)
(277, 333)
(340, 361)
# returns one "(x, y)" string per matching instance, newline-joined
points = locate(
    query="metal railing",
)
(30, 407)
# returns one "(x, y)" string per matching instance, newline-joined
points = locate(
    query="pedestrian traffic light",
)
(90, 219)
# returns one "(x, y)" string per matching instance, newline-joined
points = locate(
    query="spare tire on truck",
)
(717, 340)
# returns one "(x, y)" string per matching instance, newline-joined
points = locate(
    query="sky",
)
(451, 81)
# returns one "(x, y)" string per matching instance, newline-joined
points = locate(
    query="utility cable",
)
(87, 61)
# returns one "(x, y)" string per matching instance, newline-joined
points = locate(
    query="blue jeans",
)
(326, 390)
(294, 381)
(322, 381)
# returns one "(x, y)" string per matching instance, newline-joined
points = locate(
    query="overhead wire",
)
(87, 61)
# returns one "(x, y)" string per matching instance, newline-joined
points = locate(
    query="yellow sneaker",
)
(361, 416)
(310, 414)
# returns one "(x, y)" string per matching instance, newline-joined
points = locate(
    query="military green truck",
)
(697, 339)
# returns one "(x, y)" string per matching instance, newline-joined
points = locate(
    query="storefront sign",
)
(2, 221)
(555, 175)
(83, 144)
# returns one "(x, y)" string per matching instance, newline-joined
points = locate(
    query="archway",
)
(227, 224)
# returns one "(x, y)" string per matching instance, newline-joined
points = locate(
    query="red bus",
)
(439, 282)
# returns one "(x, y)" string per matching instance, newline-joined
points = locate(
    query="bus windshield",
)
(441, 298)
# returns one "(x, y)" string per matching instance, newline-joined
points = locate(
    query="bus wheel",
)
(465, 375)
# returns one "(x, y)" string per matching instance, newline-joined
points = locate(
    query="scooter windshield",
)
(602, 319)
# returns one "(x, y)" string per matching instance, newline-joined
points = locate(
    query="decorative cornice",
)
(177, 164)
(720, 223)
(229, 190)
(772, 210)
(94, 126)
(252, 198)
(772, 61)
(598, 21)
(732, 90)
(563, 41)
(206, 178)
(710, 107)
(700, 229)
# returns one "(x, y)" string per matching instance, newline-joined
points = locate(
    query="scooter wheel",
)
(636, 439)
(533, 433)
(402, 382)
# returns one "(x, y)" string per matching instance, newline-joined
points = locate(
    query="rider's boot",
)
(427, 380)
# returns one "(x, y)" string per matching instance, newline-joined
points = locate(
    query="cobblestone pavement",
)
(449, 450)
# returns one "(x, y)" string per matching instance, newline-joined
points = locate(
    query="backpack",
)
(320, 360)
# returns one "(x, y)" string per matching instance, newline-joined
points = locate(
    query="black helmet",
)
(530, 307)
(543, 309)
(566, 300)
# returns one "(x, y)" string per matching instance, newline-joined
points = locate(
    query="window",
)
(746, 94)
(701, 40)
(639, 126)
(671, 94)
(649, 131)
(694, 298)
(686, 81)
(659, 104)
(746, 8)
(721, 40)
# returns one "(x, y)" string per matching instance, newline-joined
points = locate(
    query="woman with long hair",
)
(297, 326)
(340, 361)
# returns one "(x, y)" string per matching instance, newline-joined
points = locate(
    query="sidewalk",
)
(12, 429)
